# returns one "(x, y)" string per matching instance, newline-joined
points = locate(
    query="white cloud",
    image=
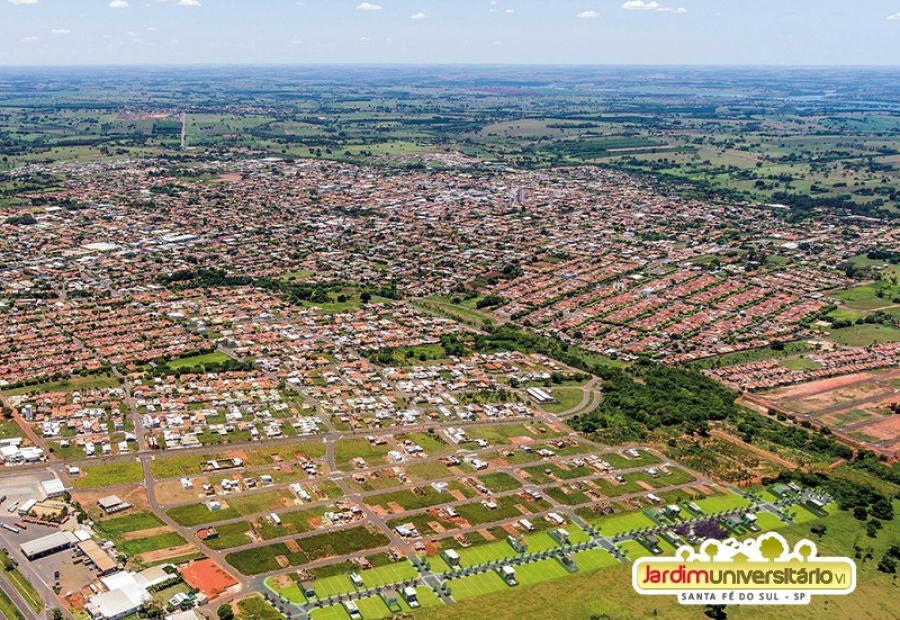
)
(22, 3)
(368, 6)
(365, 39)
(588, 15)
(118, 4)
(188, 3)
(31, 39)
(509, 11)
(640, 5)
(60, 31)
(418, 16)
(894, 17)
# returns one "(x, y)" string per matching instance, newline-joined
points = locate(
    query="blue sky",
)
(756, 32)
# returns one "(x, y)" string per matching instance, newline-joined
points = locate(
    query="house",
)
(207, 533)
(560, 535)
(352, 610)
(568, 562)
(520, 546)
(451, 557)
(389, 596)
(112, 503)
(508, 574)
(410, 595)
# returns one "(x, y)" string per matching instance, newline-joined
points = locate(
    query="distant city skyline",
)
(593, 32)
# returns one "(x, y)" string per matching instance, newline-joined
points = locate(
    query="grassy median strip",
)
(8, 609)
(28, 592)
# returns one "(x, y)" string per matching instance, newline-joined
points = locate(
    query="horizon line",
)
(447, 64)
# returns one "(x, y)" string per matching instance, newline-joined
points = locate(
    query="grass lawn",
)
(768, 522)
(345, 450)
(374, 577)
(198, 514)
(864, 297)
(95, 476)
(296, 522)
(252, 503)
(230, 535)
(634, 550)
(542, 570)
(718, 503)
(411, 501)
(566, 398)
(215, 357)
(373, 607)
(865, 335)
(487, 552)
(624, 462)
(89, 382)
(593, 559)
(800, 364)
(800, 514)
(753, 355)
(256, 608)
(300, 274)
(9, 429)
(131, 523)
(499, 482)
(291, 592)
(618, 524)
(174, 467)
(151, 543)
(476, 586)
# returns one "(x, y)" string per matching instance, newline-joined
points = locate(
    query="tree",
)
(716, 612)
(366, 297)
(888, 565)
(57, 614)
(226, 612)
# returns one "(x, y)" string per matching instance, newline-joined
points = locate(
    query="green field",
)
(373, 577)
(476, 586)
(374, 608)
(89, 382)
(198, 514)
(619, 524)
(799, 363)
(256, 608)
(258, 560)
(499, 482)
(131, 523)
(719, 503)
(96, 476)
(230, 535)
(566, 399)
(9, 429)
(865, 335)
(593, 591)
(753, 355)
(198, 360)
(151, 543)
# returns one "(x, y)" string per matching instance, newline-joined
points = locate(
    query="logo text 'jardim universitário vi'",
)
(760, 571)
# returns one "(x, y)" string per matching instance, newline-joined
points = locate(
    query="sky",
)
(590, 32)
